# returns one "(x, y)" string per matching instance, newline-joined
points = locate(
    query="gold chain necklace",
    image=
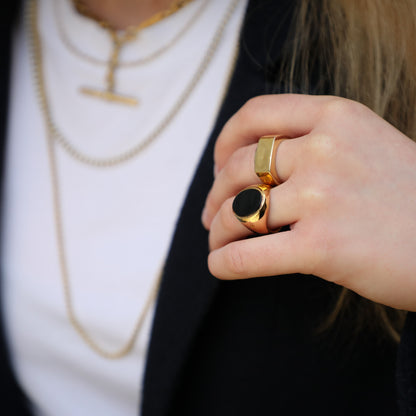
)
(125, 64)
(36, 51)
(154, 134)
(119, 39)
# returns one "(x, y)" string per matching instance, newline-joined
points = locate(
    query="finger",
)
(236, 175)
(239, 173)
(285, 209)
(226, 228)
(268, 255)
(286, 114)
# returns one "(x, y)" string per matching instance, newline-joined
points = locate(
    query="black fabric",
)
(406, 368)
(11, 395)
(248, 347)
(187, 288)
(258, 353)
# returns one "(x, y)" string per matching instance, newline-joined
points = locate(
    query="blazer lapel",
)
(187, 288)
(12, 396)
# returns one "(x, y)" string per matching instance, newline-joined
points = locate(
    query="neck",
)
(121, 14)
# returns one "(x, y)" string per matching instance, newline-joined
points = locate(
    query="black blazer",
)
(246, 347)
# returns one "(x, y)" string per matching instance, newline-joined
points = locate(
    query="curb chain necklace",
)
(154, 134)
(126, 64)
(36, 55)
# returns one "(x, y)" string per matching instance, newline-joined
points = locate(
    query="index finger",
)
(291, 115)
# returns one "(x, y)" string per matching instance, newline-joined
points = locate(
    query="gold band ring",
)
(265, 159)
(251, 207)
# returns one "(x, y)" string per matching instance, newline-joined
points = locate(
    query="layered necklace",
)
(129, 63)
(119, 39)
(54, 137)
(143, 142)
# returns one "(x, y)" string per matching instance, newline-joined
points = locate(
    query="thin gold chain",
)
(36, 53)
(72, 317)
(119, 38)
(126, 64)
(129, 154)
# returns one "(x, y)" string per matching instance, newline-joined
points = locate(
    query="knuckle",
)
(224, 224)
(219, 146)
(322, 147)
(236, 163)
(250, 110)
(252, 106)
(227, 217)
(234, 260)
(211, 203)
(220, 150)
(313, 196)
(239, 159)
(341, 107)
(336, 107)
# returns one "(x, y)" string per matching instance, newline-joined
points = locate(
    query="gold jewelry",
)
(176, 5)
(127, 64)
(251, 207)
(119, 39)
(265, 159)
(31, 19)
(157, 131)
(52, 140)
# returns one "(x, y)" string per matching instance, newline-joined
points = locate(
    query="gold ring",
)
(251, 207)
(265, 159)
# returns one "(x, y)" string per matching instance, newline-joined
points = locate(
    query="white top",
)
(118, 222)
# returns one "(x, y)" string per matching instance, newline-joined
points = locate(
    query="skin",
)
(123, 13)
(348, 194)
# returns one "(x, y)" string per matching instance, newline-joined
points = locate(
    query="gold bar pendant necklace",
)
(119, 39)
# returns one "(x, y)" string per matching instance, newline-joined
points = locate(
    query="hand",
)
(348, 194)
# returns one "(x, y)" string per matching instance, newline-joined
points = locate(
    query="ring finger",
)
(284, 210)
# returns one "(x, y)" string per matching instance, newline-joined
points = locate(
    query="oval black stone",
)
(247, 202)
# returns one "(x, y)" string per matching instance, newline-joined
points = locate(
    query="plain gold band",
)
(265, 159)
